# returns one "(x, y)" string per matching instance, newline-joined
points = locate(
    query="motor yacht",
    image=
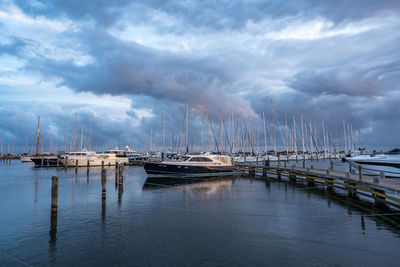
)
(81, 158)
(375, 164)
(202, 165)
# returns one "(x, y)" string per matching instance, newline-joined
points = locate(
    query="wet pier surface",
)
(230, 221)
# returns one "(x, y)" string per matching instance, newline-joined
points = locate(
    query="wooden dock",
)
(380, 188)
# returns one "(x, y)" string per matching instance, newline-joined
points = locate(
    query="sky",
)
(119, 64)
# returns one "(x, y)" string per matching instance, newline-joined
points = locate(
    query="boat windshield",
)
(185, 158)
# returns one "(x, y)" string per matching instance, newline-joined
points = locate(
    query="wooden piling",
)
(102, 164)
(103, 182)
(310, 182)
(87, 168)
(121, 171)
(58, 163)
(264, 172)
(76, 166)
(359, 172)
(54, 194)
(53, 209)
(120, 184)
(66, 162)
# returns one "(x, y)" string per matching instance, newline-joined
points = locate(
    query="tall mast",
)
(295, 135)
(221, 134)
(265, 136)
(202, 132)
(323, 133)
(233, 132)
(345, 139)
(311, 141)
(163, 131)
(208, 134)
(187, 127)
(273, 126)
(38, 137)
(81, 142)
(287, 138)
(302, 131)
(151, 139)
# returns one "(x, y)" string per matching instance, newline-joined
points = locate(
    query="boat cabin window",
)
(198, 159)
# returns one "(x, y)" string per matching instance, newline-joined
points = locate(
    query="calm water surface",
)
(230, 222)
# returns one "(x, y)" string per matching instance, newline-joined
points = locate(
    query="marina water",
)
(229, 221)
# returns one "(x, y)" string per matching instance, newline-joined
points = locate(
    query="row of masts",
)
(238, 135)
(225, 134)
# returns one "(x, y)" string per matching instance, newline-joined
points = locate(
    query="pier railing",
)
(380, 188)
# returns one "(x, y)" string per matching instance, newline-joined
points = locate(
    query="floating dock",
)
(383, 190)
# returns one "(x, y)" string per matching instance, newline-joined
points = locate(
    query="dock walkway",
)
(378, 187)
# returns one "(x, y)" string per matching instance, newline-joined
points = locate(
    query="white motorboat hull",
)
(93, 162)
(374, 165)
(26, 159)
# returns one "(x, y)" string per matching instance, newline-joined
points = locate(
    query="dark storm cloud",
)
(128, 68)
(210, 13)
(353, 76)
(376, 81)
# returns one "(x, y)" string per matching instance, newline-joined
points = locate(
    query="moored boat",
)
(389, 164)
(82, 158)
(203, 165)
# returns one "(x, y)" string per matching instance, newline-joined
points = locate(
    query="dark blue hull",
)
(160, 169)
(46, 161)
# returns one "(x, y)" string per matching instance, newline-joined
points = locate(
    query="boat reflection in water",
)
(209, 184)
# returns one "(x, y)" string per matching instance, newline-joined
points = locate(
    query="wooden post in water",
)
(102, 164)
(116, 169)
(284, 163)
(359, 172)
(53, 209)
(103, 183)
(278, 174)
(58, 163)
(331, 165)
(54, 194)
(304, 161)
(279, 160)
(76, 166)
(87, 167)
(329, 186)
(121, 184)
(66, 163)
(264, 172)
(121, 172)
